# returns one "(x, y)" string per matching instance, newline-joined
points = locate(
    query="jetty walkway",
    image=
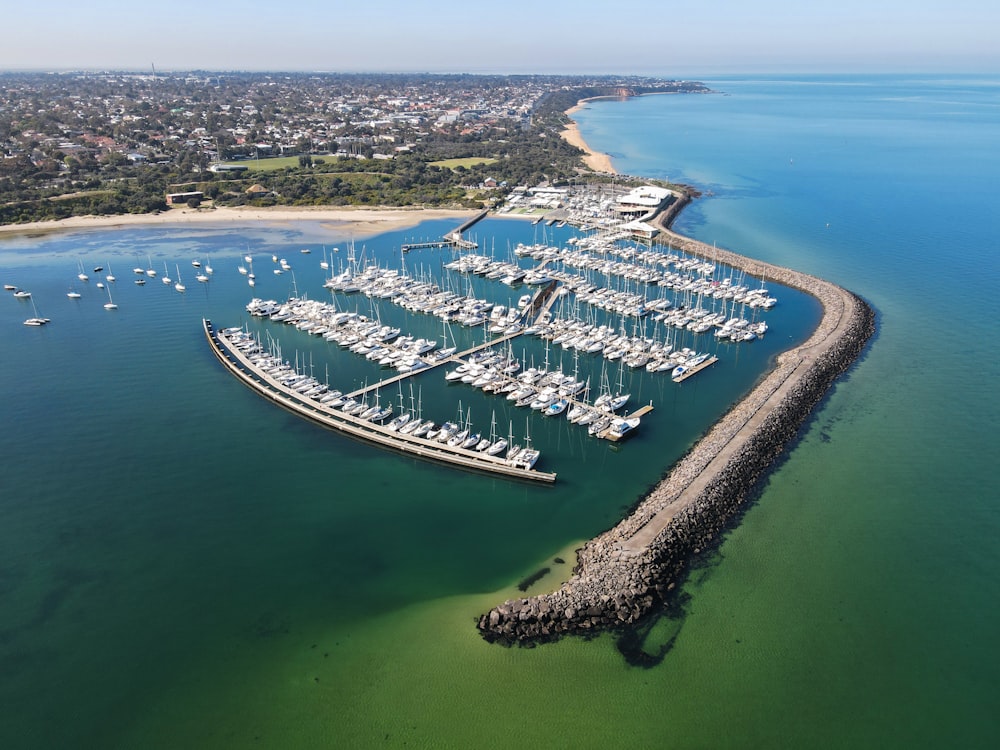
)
(452, 239)
(622, 574)
(453, 359)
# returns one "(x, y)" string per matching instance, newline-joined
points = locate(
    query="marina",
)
(612, 306)
(180, 552)
(226, 346)
(490, 366)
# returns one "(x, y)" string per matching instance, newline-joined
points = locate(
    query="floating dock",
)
(239, 365)
(454, 358)
(695, 370)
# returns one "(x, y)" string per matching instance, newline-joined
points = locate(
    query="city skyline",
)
(559, 37)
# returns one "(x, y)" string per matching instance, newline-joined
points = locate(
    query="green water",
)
(182, 565)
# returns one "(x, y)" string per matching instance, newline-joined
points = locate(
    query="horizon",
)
(385, 36)
(692, 76)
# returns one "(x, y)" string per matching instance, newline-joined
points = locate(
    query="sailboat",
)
(110, 276)
(208, 267)
(82, 276)
(35, 321)
(150, 271)
(73, 294)
(513, 448)
(179, 286)
(166, 274)
(324, 264)
(110, 304)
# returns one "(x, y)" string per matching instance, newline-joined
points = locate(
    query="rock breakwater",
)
(625, 572)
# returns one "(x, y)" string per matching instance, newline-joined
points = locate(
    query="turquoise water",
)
(181, 564)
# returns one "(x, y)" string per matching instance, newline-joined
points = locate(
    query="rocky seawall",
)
(625, 572)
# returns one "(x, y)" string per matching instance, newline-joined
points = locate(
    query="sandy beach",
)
(596, 161)
(361, 222)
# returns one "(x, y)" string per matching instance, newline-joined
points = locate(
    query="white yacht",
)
(621, 427)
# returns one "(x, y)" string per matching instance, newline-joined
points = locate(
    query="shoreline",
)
(362, 222)
(597, 161)
(625, 573)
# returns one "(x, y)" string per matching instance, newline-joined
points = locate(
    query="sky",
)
(648, 37)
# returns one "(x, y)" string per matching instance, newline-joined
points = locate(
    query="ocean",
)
(184, 565)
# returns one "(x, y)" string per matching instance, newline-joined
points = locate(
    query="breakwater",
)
(622, 574)
(229, 354)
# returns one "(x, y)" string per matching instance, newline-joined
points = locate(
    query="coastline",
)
(624, 573)
(360, 221)
(597, 161)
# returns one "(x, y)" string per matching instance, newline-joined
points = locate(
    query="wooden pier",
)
(239, 365)
(642, 410)
(452, 239)
(695, 370)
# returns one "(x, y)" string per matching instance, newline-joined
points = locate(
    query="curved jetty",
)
(625, 572)
(247, 373)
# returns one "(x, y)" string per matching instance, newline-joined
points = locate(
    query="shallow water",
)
(184, 565)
